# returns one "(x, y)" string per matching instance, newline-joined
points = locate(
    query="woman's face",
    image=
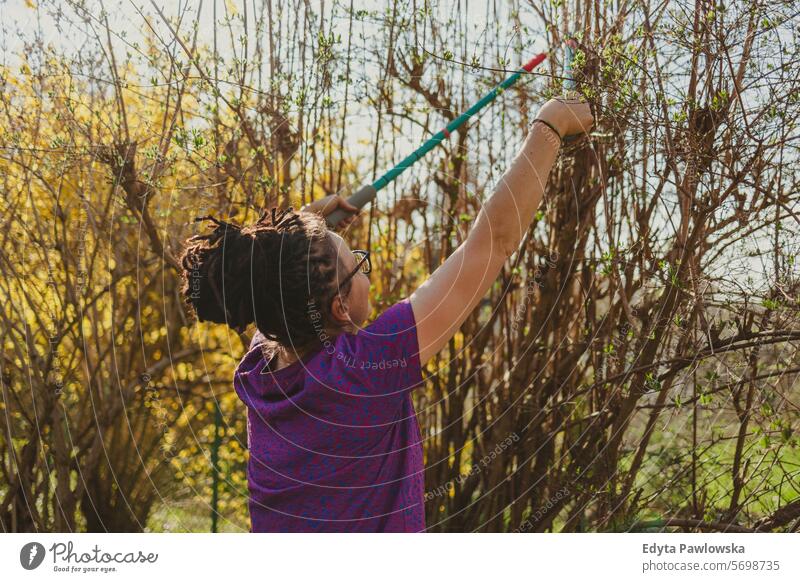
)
(357, 301)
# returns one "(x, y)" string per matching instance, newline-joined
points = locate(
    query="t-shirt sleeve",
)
(382, 358)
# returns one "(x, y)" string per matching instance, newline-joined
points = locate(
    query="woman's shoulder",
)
(389, 345)
(398, 318)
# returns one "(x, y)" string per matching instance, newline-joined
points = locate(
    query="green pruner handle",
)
(360, 199)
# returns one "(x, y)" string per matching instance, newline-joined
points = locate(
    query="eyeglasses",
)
(363, 261)
(362, 264)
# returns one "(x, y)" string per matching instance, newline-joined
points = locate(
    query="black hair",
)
(279, 274)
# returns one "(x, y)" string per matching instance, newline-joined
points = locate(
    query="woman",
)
(333, 436)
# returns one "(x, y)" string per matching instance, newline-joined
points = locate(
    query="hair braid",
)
(267, 273)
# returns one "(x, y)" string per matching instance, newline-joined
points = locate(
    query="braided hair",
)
(268, 273)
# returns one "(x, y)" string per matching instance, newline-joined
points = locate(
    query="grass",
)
(193, 516)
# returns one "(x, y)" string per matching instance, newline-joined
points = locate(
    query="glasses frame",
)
(363, 259)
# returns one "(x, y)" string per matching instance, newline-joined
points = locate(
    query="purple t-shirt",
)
(334, 440)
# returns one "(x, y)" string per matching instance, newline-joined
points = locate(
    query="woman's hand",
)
(568, 116)
(325, 206)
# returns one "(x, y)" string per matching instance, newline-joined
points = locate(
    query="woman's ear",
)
(340, 310)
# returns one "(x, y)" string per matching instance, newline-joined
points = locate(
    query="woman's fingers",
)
(585, 117)
(571, 115)
(325, 206)
(345, 205)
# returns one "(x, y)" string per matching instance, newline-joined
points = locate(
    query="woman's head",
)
(283, 273)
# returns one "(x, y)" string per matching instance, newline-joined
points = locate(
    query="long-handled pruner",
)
(368, 193)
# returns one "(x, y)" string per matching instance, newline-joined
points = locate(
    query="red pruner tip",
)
(534, 61)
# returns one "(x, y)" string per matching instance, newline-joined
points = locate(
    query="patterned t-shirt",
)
(334, 440)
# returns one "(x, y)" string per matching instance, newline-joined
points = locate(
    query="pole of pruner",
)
(368, 193)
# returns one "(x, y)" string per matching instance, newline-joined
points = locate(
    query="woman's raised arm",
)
(448, 296)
